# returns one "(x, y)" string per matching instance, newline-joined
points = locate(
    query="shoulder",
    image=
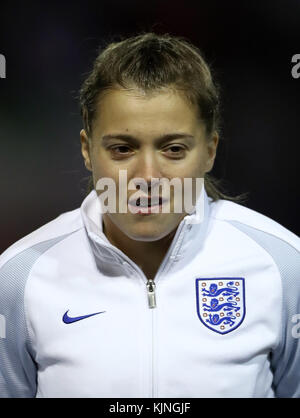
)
(49, 233)
(18, 371)
(259, 227)
(277, 243)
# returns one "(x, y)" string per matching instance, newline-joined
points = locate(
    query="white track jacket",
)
(78, 318)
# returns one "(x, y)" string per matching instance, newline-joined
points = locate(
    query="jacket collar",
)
(192, 227)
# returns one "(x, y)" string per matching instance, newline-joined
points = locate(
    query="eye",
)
(175, 151)
(120, 151)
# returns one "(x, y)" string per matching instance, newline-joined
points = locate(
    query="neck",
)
(148, 255)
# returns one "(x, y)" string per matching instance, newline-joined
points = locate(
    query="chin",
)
(145, 237)
(146, 234)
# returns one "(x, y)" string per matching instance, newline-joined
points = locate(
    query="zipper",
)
(151, 293)
(151, 285)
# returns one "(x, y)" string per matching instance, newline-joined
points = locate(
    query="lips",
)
(143, 205)
(145, 201)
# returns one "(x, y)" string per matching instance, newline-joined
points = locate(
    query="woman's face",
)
(149, 136)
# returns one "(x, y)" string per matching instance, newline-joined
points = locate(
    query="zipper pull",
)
(151, 293)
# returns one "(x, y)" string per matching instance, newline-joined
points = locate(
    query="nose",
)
(148, 167)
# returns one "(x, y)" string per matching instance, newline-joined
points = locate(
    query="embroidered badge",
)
(221, 303)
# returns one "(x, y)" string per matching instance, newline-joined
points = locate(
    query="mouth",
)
(145, 206)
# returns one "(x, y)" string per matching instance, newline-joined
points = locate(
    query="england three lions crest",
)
(221, 303)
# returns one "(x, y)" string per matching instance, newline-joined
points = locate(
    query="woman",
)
(148, 302)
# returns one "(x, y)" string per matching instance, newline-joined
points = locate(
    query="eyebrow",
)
(135, 141)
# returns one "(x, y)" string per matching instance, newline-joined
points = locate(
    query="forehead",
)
(138, 112)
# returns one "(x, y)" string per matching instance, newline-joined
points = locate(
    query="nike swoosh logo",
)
(69, 320)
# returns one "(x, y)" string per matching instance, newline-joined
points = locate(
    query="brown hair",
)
(150, 62)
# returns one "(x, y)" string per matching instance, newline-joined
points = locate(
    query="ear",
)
(85, 149)
(212, 146)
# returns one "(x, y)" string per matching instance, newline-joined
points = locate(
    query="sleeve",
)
(285, 359)
(18, 370)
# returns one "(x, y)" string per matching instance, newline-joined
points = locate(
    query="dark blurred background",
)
(50, 46)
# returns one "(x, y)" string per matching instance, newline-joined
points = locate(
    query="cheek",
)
(102, 166)
(195, 167)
